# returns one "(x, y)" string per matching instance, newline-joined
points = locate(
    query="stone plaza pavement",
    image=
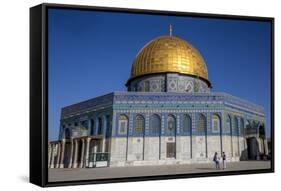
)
(68, 174)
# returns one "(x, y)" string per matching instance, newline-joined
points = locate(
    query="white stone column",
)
(71, 155)
(95, 146)
(75, 154)
(58, 155)
(95, 151)
(87, 151)
(105, 129)
(82, 154)
(102, 142)
(103, 145)
(53, 156)
(62, 154)
(231, 143)
(49, 155)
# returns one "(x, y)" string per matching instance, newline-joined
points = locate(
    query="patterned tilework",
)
(87, 106)
(162, 124)
(163, 104)
(147, 124)
(175, 83)
(186, 99)
(220, 122)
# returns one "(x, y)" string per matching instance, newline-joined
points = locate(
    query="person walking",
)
(223, 160)
(216, 160)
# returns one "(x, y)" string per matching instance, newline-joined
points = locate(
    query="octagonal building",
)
(168, 116)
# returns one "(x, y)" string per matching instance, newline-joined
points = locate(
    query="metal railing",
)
(99, 159)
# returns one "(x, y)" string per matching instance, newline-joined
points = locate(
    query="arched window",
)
(261, 131)
(62, 129)
(201, 124)
(136, 87)
(216, 123)
(248, 124)
(228, 124)
(146, 86)
(139, 125)
(255, 124)
(247, 127)
(242, 126)
(235, 126)
(92, 126)
(186, 123)
(155, 124)
(171, 124)
(67, 134)
(85, 124)
(108, 125)
(122, 124)
(100, 125)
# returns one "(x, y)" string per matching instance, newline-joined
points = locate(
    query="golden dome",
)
(169, 54)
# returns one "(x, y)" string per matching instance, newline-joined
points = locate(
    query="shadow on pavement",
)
(206, 168)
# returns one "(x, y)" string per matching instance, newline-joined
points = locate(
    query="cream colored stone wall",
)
(227, 146)
(118, 149)
(151, 148)
(135, 148)
(147, 151)
(183, 147)
(213, 145)
(235, 146)
(199, 147)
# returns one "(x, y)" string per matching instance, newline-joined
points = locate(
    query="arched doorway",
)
(252, 143)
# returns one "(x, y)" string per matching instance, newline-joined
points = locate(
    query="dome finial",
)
(171, 30)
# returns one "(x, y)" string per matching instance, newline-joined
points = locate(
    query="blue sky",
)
(90, 54)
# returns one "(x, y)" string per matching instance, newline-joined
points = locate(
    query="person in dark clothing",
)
(223, 160)
(216, 160)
